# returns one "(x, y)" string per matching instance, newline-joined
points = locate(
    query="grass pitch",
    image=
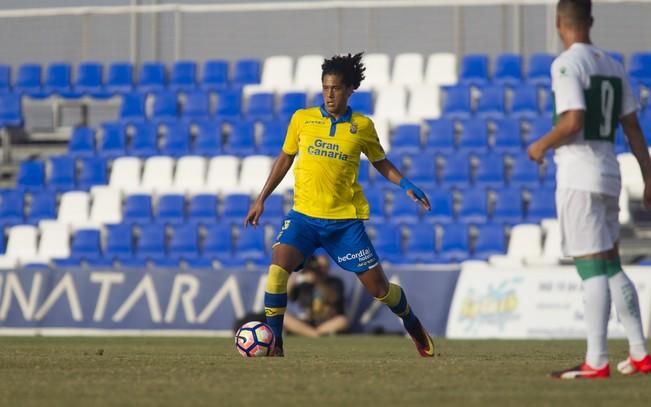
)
(347, 370)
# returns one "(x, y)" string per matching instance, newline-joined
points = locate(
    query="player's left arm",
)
(569, 124)
(390, 172)
(640, 150)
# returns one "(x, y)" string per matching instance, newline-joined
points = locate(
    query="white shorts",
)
(589, 221)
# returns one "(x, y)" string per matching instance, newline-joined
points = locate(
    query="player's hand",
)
(415, 193)
(647, 194)
(536, 152)
(254, 214)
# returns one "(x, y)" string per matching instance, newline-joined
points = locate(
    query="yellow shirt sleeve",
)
(372, 147)
(290, 146)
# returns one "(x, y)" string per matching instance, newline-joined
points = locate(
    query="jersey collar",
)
(346, 117)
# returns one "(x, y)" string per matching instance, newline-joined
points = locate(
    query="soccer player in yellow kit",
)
(329, 205)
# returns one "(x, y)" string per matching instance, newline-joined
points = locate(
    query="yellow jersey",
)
(328, 159)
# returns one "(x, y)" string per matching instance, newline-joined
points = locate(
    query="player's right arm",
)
(640, 150)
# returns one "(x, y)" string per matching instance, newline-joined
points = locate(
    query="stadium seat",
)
(539, 69)
(246, 72)
(106, 206)
(144, 142)
(21, 244)
(152, 77)
(383, 131)
(524, 103)
(137, 209)
(203, 209)
(406, 139)
(457, 102)
(215, 75)
(377, 71)
(92, 172)
(120, 78)
(490, 241)
(474, 70)
(474, 136)
(539, 128)
(631, 175)
(525, 242)
(31, 175)
(218, 243)
(542, 205)
(113, 141)
(250, 245)
(151, 243)
(74, 209)
(119, 242)
(86, 244)
(241, 141)
(442, 206)
(422, 171)
(376, 202)
(82, 142)
(5, 78)
(507, 136)
(454, 243)
(54, 243)
(43, 206)
(228, 104)
(508, 206)
(491, 103)
(617, 56)
(474, 206)
(524, 172)
(184, 76)
(254, 172)
(132, 109)
(456, 171)
(125, 174)
(236, 206)
(508, 70)
(421, 244)
(11, 112)
(260, 106)
(190, 174)
(361, 101)
(222, 176)
(273, 136)
(277, 73)
(176, 140)
(274, 211)
(291, 102)
(391, 103)
(640, 67)
(196, 106)
(404, 210)
(424, 103)
(548, 103)
(387, 243)
(62, 173)
(90, 81)
(165, 107)
(28, 81)
(11, 208)
(440, 136)
(408, 69)
(208, 142)
(158, 174)
(57, 80)
(441, 69)
(490, 172)
(308, 67)
(171, 209)
(549, 172)
(184, 243)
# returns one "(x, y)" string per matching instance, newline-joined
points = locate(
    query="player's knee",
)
(286, 257)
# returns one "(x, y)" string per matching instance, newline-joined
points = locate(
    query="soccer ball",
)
(254, 339)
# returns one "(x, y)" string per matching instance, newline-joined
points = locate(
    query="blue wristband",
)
(407, 185)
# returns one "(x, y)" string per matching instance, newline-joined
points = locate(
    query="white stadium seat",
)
(287, 183)
(125, 173)
(631, 175)
(106, 207)
(222, 175)
(308, 73)
(157, 175)
(624, 211)
(407, 69)
(392, 104)
(525, 242)
(441, 69)
(190, 175)
(424, 103)
(53, 244)
(74, 209)
(382, 128)
(254, 173)
(277, 72)
(21, 245)
(377, 71)
(552, 252)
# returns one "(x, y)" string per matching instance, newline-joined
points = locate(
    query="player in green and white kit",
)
(592, 97)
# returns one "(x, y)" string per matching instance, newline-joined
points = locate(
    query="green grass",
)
(349, 370)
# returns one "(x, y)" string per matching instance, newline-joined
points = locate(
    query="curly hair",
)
(349, 67)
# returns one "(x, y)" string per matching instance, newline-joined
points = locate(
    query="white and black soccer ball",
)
(254, 339)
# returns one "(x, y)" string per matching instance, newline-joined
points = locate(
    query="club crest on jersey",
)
(353, 128)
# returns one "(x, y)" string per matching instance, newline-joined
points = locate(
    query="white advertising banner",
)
(545, 302)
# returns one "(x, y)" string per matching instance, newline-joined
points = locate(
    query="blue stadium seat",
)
(171, 209)
(639, 68)
(90, 80)
(291, 102)
(440, 136)
(456, 171)
(387, 243)
(507, 136)
(549, 173)
(132, 109)
(508, 69)
(376, 202)
(490, 171)
(11, 208)
(92, 172)
(184, 76)
(151, 243)
(250, 245)
(361, 101)
(474, 70)
(236, 206)
(274, 211)
(218, 242)
(152, 77)
(489, 242)
(404, 210)
(215, 75)
(406, 139)
(5, 78)
(247, 71)
(176, 140)
(508, 206)
(421, 244)
(548, 102)
(539, 128)
(62, 173)
(86, 244)
(542, 204)
(260, 106)
(457, 102)
(120, 78)
(538, 70)
(119, 242)
(229, 104)
(58, 81)
(442, 209)
(209, 139)
(474, 136)
(617, 56)
(137, 209)
(242, 139)
(524, 104)
(203, 209)
(454, 243)
(364, 173)
(43, 206)
(422, 171)
(11, 112)
(491, 103)
(31, 175)
(184, 243)
(82, 142)
(474, 206)
(28, 81)
(113, 142)
(273, 136)
(145, 141)
(196, 106)
(524, 172)
(165, 108)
